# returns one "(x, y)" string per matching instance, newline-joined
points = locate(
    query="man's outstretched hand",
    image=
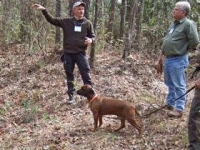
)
(38, 7)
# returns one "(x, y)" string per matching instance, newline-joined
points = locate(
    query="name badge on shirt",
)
(171, 30)
(77, 28)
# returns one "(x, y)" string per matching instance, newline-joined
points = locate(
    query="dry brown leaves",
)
(34, 115)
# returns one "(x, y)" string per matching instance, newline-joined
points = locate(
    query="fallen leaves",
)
(33, 112)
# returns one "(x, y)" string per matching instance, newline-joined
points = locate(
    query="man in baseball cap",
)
(78, 34)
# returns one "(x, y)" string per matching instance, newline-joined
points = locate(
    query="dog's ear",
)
(91, 91)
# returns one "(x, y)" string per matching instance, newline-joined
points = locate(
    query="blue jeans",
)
(175, 79)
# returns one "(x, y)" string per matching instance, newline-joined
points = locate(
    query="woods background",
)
(33, 111)
(129, 25)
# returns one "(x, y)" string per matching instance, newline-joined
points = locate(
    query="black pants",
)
(69, 61)
(194, 122)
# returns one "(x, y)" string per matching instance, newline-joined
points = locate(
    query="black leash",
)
(147, 115)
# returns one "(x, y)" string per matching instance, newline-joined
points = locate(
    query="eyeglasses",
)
(176, 9)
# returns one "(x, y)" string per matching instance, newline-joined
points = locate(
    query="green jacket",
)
(180, 38)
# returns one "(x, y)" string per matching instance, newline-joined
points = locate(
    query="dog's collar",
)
(93, 98)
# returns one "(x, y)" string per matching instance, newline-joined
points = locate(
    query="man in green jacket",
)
(181, 36)
(78, 33)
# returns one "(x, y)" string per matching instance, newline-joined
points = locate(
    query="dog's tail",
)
(137, 113)
(138, 118)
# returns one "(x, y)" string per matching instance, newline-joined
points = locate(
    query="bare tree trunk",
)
(129, 32)
(71, 2)
(111, 20)
(87, 8)
(122, 22)
(3, 27)
(6, 11)
(139, 23)
(92, 53)
(24, 19)
(58, 32)
(128, 9)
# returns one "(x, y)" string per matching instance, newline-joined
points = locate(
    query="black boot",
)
(71, 99)
(70, 92)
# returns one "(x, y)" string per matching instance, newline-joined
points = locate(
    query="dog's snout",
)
(86, 91)
(78, 92)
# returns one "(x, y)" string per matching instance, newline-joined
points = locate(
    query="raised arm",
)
(38, 7)
(53, 20)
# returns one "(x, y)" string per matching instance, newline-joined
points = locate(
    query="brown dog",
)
(106, 106)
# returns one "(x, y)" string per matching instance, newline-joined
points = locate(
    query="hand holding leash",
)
(198, 85)
(160, 66)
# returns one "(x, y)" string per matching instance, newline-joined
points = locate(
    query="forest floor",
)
(35, 116)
